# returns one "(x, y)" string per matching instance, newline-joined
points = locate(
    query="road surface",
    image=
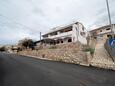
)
(25, 71)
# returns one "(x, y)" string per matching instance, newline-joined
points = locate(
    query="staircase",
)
(101, 57)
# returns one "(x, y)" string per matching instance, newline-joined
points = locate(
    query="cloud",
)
(29, 17)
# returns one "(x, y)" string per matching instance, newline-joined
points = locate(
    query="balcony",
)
(61, 35)
(103, 32)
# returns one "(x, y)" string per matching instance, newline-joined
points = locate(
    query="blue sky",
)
(26, 18)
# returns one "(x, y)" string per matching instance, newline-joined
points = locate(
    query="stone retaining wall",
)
(58, 55)
(70, 52)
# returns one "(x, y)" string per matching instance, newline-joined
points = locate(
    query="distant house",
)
(11, 48)
(102, 32)
(69, 33)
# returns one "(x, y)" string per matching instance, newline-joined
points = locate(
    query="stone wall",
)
(70, 52)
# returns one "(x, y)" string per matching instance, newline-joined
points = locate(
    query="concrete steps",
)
(101, 57)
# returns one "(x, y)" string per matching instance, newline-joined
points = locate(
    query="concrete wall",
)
(92, 43)
(76, 35)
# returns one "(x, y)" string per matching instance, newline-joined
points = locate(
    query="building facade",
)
(70, 33)
(102, 32)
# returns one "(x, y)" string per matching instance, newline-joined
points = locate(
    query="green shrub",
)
(38, 47)
(52, 47)
(26, 43)
(91, 50)
(2, 49)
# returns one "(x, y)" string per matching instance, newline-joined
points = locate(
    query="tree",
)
(2, 48)
(26, 43)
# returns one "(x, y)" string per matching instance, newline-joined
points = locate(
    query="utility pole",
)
(40, 36)
(109, 16)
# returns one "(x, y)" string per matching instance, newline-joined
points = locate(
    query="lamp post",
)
(109, 16)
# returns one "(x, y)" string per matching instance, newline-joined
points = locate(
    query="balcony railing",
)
(61, 35)
(103, 32)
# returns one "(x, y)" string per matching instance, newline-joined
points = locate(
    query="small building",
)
(12, 48)
(69, 33)
(102, 32)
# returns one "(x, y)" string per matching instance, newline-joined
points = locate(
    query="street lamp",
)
(109, 16)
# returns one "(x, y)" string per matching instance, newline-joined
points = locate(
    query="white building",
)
(70, 33)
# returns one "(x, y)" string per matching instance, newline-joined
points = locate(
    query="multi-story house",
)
(69, 33)
(102, 32)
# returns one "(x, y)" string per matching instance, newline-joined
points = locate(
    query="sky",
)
(27, 18)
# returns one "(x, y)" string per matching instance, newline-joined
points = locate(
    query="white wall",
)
(76, 36)
(114, 29)
(62, 35)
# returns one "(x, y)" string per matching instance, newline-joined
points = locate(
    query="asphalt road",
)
(25, 71)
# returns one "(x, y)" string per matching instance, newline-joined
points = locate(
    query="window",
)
(57, 41)
(83, 28)
(45, 36)
(69, 40)
(95, 37)
(108, 29)
(66, 29)
(100, 30)
(54, 33)
(100, 35)
(61, 41)
(108, 35)
(82, 33)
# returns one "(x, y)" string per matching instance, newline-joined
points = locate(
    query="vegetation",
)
(52, 47)
(38, 47)
(26, 43)
(2, 49)
(88, 49)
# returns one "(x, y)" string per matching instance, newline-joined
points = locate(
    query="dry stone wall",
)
(70, 52)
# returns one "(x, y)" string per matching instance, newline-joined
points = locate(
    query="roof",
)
(102, 27)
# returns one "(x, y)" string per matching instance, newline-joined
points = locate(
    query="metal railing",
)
(110, 49)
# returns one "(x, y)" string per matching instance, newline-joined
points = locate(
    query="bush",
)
(26, 43)
(91, 50)
(38, 47)
(2, 49)
(52, 47)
